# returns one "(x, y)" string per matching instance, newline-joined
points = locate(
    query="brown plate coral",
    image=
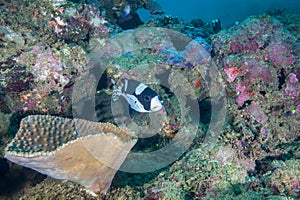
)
(81, 151)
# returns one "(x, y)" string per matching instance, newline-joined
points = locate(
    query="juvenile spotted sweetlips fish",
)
(139, 96)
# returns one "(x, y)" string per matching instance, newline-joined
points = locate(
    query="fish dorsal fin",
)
(140, 88)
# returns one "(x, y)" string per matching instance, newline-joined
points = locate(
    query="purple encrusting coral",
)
(255, 51)
(259, 62)
(52, 74)
(292, 86)
(256, 112)
(47, 69)
(280, 53)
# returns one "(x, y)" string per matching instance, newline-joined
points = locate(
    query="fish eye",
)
(147, 98)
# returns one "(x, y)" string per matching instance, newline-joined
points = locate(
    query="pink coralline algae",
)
(298, 108)
(254, 53)
(232, 73)
(254, 35)
(240, 87)
(257, 70)
(85, 22)
(292, 86)
(242, 98)
(256, 112)
(47, 69)
(279, 54)
(260, 65)
(51, 77)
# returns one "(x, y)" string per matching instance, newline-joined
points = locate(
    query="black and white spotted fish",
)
(139, 96)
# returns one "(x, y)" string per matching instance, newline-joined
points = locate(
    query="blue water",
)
(228, 11)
